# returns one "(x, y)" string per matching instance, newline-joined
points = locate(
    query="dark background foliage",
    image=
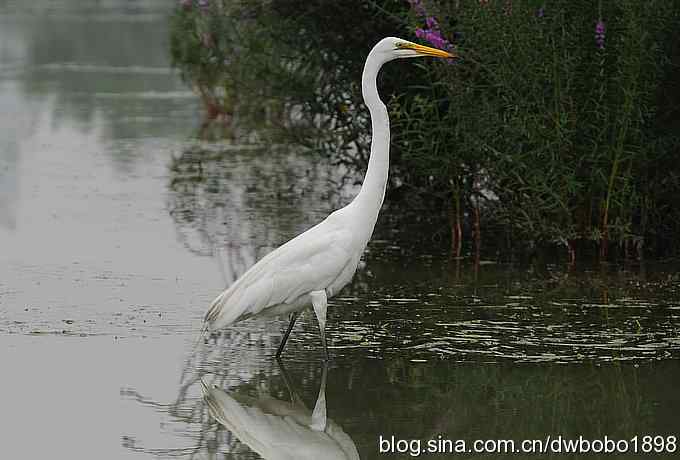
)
(541, 134)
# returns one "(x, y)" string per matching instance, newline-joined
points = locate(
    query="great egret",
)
(316, 264)
(280, 430)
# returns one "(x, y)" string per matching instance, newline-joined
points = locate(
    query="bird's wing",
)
(309, 262)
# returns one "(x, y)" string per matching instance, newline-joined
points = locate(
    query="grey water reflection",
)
(235, 198)
(93, 67)
(409, 399)
(278, 429)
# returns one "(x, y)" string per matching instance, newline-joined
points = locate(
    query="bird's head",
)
(396, 48)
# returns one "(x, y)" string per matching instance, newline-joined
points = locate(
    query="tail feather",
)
(222, 310)
(204, 386)
(211, 316)
(201, 336)
(209, 398)
(215, 308)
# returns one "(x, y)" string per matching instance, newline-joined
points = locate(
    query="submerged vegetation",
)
(558, 126)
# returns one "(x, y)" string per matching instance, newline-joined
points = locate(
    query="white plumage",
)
(324, 257)
(280, 430)
(316, 264)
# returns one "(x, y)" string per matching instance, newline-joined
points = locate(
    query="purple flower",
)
(435, 38)
(204, 3)
(186, 4)
(599, 34)
(540, 13)
(430, 32)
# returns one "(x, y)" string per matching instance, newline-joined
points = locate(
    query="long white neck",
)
(372, 193)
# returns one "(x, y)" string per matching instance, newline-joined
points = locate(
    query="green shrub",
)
(550, 119)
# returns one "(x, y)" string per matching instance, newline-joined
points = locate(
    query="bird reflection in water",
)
(277, 429)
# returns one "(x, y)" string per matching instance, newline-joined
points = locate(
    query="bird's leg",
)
(294, 397)
(319, 419)
(320, 304)
(293, 318)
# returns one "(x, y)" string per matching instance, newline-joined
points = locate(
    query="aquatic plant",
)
(599, 34)
(565, 151)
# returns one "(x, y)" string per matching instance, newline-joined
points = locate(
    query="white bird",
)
(280, 430)
(315, 265)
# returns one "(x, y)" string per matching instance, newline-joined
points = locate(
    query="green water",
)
(117, 229)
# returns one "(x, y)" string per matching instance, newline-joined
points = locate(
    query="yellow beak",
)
(427, 51)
